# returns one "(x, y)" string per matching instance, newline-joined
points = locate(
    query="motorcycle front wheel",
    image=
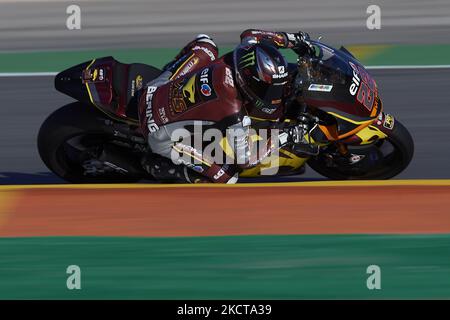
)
(382, 160)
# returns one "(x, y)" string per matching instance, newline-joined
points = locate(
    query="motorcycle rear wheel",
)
(84, 125)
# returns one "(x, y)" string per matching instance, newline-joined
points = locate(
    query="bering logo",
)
(151, 124)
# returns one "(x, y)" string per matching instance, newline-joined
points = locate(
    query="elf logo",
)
(356, 80)
(205, 88)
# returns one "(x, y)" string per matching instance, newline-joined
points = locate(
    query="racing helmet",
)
(261, 75)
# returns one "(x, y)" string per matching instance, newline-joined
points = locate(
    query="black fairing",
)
(70, 82)
(329, 79)
(108, 84)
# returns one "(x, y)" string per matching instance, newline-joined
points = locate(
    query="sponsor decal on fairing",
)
(320, 87)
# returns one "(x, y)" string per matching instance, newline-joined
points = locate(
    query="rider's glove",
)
(296, 134)
(292, 135)
(299, 42)
(295, 137)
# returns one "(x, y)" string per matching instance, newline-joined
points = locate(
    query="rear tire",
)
(403, 143)
(72, 120)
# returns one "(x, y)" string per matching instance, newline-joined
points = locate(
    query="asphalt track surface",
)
(417, 98)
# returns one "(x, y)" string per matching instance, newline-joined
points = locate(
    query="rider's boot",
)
(165, 170)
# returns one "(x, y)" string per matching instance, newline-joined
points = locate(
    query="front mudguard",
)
(380, 129)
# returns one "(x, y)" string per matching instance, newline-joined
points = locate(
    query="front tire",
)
(388, 167)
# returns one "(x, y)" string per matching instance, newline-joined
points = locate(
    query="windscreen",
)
(328, 66)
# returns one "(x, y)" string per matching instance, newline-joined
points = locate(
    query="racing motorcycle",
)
(97, 139)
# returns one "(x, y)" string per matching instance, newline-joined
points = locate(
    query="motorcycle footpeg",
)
(351, 160)
(96, 167)
(307, 149)
(112, 160)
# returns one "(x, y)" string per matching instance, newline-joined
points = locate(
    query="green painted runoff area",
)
(48, 61)
(235, 267)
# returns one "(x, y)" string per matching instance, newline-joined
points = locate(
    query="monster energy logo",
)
(247, 60)
(259, 104)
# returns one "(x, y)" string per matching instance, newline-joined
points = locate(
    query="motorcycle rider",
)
(198, 86)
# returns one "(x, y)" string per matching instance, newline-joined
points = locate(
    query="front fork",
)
(338, 149)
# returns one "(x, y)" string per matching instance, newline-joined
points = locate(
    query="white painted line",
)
(27, 74)
(438, 66)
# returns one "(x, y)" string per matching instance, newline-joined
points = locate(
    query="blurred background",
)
(40, 24)
(34, 38)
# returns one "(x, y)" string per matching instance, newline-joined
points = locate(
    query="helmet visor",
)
(270, 94)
